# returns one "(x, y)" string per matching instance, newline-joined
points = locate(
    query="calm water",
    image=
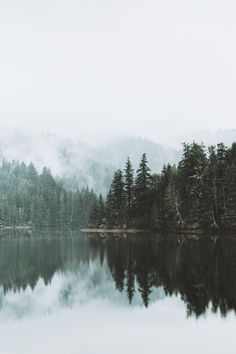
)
(66, 292)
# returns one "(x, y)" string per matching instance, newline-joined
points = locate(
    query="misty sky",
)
(141, 67)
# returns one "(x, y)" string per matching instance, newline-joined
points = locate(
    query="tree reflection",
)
(202, 271)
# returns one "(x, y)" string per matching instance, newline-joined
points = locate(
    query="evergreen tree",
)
(101, 211)
(142, 193)
(221, 184)
(230, 188)
(171, 205)
(62, 209)
(94, 214)
(129, 190)
(191, 170)
(109, 211)
(155, 217)
(116, 200)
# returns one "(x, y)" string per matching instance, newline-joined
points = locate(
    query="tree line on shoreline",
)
(198, 193)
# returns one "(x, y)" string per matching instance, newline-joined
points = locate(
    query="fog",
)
(92, 163)
(93, 69)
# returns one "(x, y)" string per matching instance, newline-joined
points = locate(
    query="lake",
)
(68, 292)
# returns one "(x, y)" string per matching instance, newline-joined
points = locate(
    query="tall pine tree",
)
(142, 193)
(129, 191)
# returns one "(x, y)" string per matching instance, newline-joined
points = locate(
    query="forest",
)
(40, 200)
(200, 192)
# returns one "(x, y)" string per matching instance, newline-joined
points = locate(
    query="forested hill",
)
(30, 198)
(199, 193)
(81, 164)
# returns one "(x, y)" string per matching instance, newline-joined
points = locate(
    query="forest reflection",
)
(202, 271)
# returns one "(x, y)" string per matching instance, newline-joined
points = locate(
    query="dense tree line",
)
(198, 193)
(30, 198)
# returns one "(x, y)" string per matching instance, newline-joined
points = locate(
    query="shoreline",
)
(19, 227)
(133, 231)
(116, 231)
(166, 231)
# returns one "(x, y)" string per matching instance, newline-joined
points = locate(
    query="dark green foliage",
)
(143, 184)
(29, 198)
(101, 211)
(170, 204)
(199, 193)
(116, 201)
(230, 188)
(97, 214)
(191, 172)
(129, 191)
(109, 211)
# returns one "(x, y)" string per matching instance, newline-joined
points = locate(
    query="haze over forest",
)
(83, 74)
(92, 164)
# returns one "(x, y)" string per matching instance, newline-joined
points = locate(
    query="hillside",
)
(79, 163)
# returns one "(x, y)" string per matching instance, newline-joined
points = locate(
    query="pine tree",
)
(171, 204)
(209, 216)
(101, 211)
(62, 210)
(230, 188)
(155, 217)
(117, 200)
(221, 184)
(94, 214)
(129, 190)
(109, 211)
(191, 171)
(142, 193)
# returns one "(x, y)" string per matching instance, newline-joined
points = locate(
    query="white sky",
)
(140, 67)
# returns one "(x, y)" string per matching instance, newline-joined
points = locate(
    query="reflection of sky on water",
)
(104, 327)
(76, 306)
(83, 313)
(91, 283)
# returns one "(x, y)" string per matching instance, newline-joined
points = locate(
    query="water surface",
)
(66, 292)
